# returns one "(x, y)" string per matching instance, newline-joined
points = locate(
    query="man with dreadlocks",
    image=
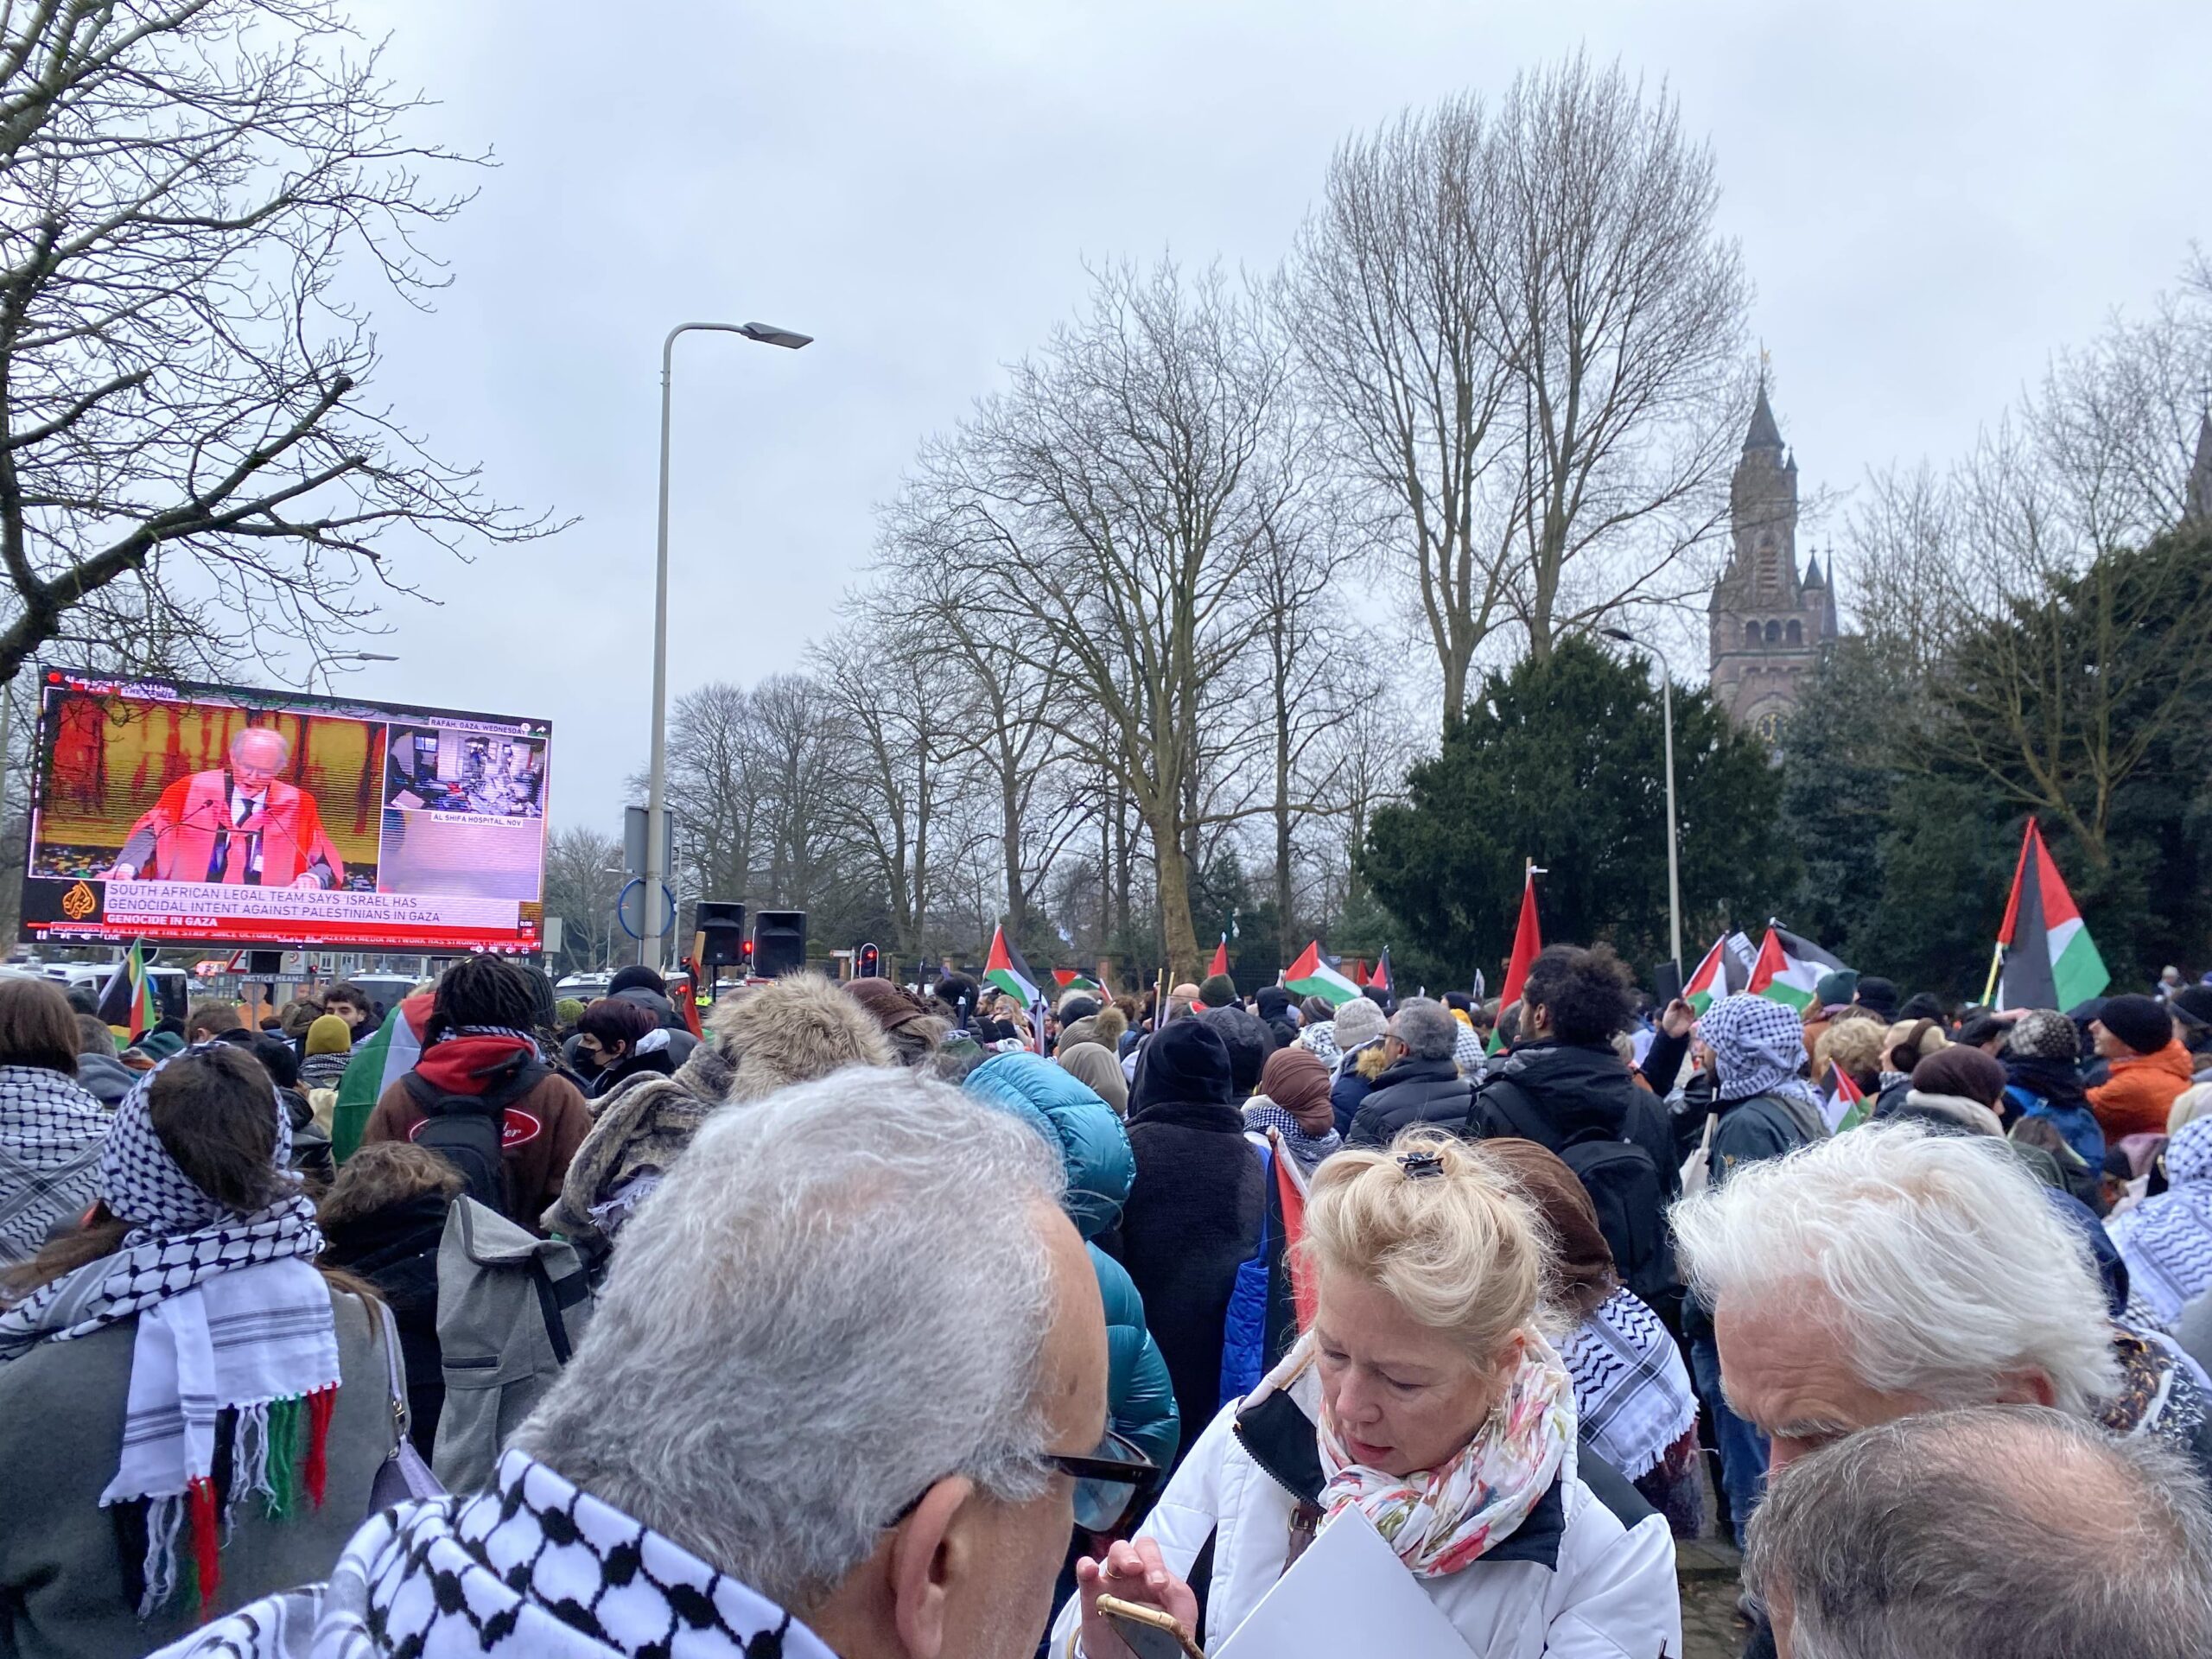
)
(482, 1083)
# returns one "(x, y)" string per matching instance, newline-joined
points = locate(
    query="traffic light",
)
(868, 962)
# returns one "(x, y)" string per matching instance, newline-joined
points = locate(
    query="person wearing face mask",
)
(1424, 1396)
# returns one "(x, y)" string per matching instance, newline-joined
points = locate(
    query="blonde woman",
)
(1426, 1396)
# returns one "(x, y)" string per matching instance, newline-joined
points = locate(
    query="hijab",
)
(1090, 1064)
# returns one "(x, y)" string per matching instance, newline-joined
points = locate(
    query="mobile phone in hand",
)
(1150, 1632)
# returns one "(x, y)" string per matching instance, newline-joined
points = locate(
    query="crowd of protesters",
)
(862, 1320)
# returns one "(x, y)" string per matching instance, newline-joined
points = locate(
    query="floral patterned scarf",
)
(1440, 1519)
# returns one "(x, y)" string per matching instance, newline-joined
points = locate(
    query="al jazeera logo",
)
(79, 902)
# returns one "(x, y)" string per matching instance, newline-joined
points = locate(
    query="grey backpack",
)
(511, 1307)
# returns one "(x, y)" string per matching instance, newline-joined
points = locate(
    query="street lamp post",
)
(1674, 861)
(656, 800)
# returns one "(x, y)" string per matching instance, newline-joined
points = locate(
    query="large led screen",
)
(163, 810)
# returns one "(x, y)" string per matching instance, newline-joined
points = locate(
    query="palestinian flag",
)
(1315, 975)
(376, 1065)
(1788, 968)
(1220, 963)
(2050, 961)
(1382, 979)
(127, 999)
(1725, 970)
(1528, 943)
(1847, 1108)
(1006, 969)
(1068, 979)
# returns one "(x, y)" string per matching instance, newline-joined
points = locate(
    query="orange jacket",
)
(2142, 1090)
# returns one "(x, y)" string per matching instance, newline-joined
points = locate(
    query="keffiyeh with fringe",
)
(232, 1316)
(535, 1568)
(1632, 1394)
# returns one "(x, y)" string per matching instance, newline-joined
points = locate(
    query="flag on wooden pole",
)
(2050, 961)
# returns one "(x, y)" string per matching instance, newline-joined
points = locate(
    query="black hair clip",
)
(1420, 1165)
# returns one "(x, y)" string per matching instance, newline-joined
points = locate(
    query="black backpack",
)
(466, 1131)
(1625, 1186)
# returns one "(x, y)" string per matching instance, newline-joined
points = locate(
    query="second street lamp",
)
(765, 333)
(1673, 868)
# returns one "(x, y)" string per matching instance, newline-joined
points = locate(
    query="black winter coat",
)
(1575, 1089)
(396, 1250)
(1194, 1209)
(1409, 1093)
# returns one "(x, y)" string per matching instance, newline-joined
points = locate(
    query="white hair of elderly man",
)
(838, 1297)
(1996, 1532)
(1939, 1265)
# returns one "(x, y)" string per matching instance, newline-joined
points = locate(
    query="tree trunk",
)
(1017, 901)
(1178, 934)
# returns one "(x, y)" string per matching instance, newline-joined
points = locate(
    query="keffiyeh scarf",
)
(1632, 1394)
(2167, 1239)
(1760, 1046)
(232, 1316)
(1309, 1150)
(532, 1569)
(50, 1134)
(1440, 1519)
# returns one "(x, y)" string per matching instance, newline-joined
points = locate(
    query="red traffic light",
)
(868, 962)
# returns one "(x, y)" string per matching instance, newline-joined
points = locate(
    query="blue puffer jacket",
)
(1095, 1152)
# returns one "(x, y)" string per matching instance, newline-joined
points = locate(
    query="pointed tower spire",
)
(2196, 502)
(1764, 433)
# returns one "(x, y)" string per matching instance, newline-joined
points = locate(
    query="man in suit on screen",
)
(239, 824)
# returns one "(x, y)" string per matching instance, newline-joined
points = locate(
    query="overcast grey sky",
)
(1929, 199)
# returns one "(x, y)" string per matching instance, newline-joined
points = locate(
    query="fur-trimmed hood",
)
(793, 1030)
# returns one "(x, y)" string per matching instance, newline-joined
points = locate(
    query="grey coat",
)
(64, 1590)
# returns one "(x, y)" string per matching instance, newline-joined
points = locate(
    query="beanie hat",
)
(1075, 1006)
(161, 1044)
(1836, 988)
(2193, 1003)
(1358, 1021)
(2141, 1023)
(330, 1035)
(567, 1011)
(2045, 1034)
(1218, 991)
(1880, 994)
(636, 974)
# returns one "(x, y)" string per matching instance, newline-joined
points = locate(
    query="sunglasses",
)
(1107, 1482)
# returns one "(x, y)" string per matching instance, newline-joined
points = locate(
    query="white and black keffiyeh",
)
(231, 1315)
(2166, 1241)
(533, 1569)
(51, 1128)
(1261, 1115)
(1760, 1046)
(1632, 1390)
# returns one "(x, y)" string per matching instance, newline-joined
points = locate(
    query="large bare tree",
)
(1397, 321)
(1108, 507)
(1527, 336)
(188, 447)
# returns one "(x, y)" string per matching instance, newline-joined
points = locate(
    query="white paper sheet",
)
(1349, 1593)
